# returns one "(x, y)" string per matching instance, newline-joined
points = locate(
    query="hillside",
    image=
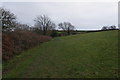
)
(89, 55)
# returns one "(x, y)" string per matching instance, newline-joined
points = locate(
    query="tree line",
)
(113, 27)
(43, 24)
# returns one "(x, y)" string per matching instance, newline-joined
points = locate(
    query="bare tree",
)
(8, 20)
(44, 23)
(66, 26)
(104, 28)
(113, 27)
(20, 26)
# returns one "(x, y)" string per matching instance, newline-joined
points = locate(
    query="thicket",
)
(15, 42)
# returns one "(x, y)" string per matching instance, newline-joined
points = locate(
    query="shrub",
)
(17, 41)
(7, 47)
(54, 33)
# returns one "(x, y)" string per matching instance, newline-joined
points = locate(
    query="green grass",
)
(90, 55)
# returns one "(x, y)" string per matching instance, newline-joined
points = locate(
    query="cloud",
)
(83, 15)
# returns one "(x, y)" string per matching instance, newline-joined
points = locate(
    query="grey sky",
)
(83, 15)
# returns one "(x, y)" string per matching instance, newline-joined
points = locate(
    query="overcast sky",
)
(83, 15)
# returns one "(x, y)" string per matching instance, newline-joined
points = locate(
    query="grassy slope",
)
(86, 55)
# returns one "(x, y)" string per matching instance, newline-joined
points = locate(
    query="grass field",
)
(90, 55)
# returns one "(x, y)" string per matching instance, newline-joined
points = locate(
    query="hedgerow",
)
(18, 41)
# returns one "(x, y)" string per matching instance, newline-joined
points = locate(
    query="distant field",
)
(90, 55)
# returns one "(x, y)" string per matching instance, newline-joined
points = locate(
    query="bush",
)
(54, 33)
(17, 41)
(7, 47)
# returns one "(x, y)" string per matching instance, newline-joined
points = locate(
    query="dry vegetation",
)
(15, 42)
